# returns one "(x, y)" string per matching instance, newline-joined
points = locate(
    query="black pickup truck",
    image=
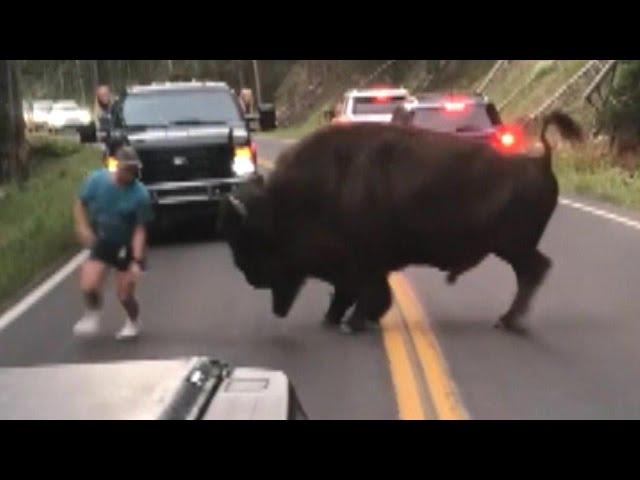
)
(193, 140)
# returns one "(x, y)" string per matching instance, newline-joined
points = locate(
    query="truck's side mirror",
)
(267, 117)
(252, 120)
(114, 140)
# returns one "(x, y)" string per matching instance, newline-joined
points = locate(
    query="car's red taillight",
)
(508, 139)
(454, 107)
(455, 104)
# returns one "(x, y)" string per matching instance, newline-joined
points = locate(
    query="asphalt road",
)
(437, 354)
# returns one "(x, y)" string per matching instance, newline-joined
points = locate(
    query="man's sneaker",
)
(130, 330)
(88, 325)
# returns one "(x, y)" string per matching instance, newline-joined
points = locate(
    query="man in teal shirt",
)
(110, 213)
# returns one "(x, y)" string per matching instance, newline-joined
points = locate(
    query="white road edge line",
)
(600, 213)
(27, 302)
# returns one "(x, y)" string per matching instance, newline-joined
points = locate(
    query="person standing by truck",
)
(246, 101)
(111, 214)
(102, 111)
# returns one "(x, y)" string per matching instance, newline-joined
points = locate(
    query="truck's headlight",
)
(85, 117)
(112, 164)
(243, 161)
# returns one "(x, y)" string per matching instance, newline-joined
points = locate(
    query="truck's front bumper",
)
(195, 192)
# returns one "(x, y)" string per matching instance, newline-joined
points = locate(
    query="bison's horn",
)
(238, 206)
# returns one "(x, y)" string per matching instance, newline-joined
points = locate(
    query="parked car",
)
(40, 114)
(471, 116)
(27, 113)
(67, 115)
(371, 105)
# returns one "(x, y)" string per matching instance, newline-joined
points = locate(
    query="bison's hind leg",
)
(374, 299)
(340, 303)
(530, 268)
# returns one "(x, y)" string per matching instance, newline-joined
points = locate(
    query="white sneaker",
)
(130, 330)
(88, 325)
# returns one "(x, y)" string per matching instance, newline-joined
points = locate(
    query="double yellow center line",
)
(423, 387)
(406, 335)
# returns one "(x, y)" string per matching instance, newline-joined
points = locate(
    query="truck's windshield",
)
(376, 106)
(180, 108)
(472, 118)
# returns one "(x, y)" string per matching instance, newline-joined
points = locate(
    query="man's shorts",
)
(115, 255)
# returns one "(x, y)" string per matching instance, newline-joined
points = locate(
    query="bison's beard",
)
(283, 294)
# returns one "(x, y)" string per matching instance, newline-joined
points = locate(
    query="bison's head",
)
(246, 222)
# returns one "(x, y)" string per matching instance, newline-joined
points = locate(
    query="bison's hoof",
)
(351, 328)
(510, 323)
(452, 278)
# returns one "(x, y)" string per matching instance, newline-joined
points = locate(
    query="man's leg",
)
(92, 275)
(126, 288)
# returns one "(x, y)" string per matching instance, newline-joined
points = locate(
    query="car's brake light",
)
(382, 99)
(454, 106)
(508, 139)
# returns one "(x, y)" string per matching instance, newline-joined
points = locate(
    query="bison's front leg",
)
(374, 299)
(284, 293)
(530, 269)
(340, 303)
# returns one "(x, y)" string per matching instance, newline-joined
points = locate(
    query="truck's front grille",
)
(186, 163)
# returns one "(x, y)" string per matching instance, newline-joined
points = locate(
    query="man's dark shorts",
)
(115, 255)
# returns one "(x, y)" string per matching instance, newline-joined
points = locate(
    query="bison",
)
(351, 203)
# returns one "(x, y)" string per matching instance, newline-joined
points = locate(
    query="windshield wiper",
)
(197, 121)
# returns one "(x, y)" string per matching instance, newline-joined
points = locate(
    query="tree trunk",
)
(14, 160)
(240, 74)
(127, 72)
(95, 75)
(5, 120)
(61, 79)
(83, 96)
(21, 152)
(103, 72)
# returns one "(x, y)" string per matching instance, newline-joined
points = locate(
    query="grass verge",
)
(36, 223)
(591, 174)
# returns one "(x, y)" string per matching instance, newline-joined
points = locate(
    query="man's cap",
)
(128, 156)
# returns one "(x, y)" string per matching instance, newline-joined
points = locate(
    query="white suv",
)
(67, 114)
(371, 105)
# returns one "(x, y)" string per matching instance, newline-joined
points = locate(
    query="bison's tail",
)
(568, 128)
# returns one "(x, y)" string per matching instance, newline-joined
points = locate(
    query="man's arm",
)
(139, 240)
(139, 243)
(83, 228)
